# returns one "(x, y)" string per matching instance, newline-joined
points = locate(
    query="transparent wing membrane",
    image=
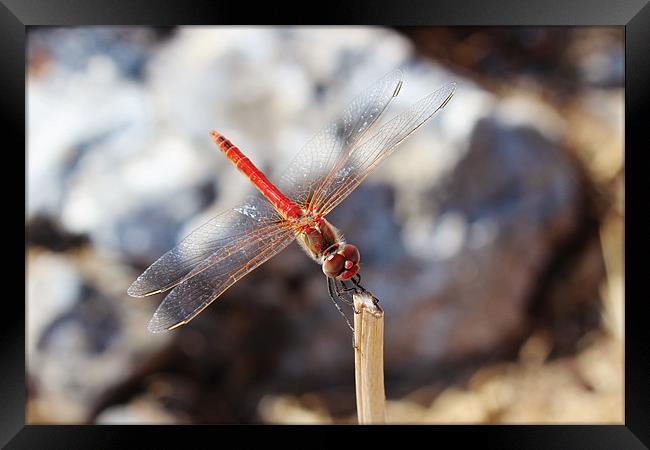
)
(309, 170)
(247, 226)
(230, 265)
(354, 166)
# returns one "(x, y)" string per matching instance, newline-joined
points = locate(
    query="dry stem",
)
(369, 359)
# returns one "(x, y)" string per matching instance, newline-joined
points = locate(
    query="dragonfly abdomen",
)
(255, 175)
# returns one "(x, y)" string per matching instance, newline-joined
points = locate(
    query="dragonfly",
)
(325, 171)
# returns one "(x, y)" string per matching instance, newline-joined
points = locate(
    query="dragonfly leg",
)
(342, 290)
(357, 289)
(345, 288)
(331, 294)
(356, 280)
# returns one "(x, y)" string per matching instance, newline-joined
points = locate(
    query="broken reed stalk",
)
(369, 358)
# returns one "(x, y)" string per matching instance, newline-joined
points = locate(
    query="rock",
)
(80, 337)
(74, 49)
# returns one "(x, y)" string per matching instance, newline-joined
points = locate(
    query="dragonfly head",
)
(342, 262)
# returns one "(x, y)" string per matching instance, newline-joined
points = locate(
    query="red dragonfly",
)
(326, 170)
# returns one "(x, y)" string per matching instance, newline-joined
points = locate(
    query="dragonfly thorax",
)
(325, 244)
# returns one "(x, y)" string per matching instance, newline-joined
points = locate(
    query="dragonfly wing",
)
(188, 299)
(354, 167)
(248, 224)
(309, 169)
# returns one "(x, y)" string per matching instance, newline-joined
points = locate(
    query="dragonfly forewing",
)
(354, 167)
(191, 297)
(248, 224)
(307, 172)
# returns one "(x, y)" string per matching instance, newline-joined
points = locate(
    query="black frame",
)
(634, 15)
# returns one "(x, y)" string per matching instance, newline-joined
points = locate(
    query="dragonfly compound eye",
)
(351, 258)
(351, 253)
(333, 265)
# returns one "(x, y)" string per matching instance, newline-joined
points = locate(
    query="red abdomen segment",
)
(255, 175)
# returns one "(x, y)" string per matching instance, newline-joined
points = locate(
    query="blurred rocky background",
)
(493, 237)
